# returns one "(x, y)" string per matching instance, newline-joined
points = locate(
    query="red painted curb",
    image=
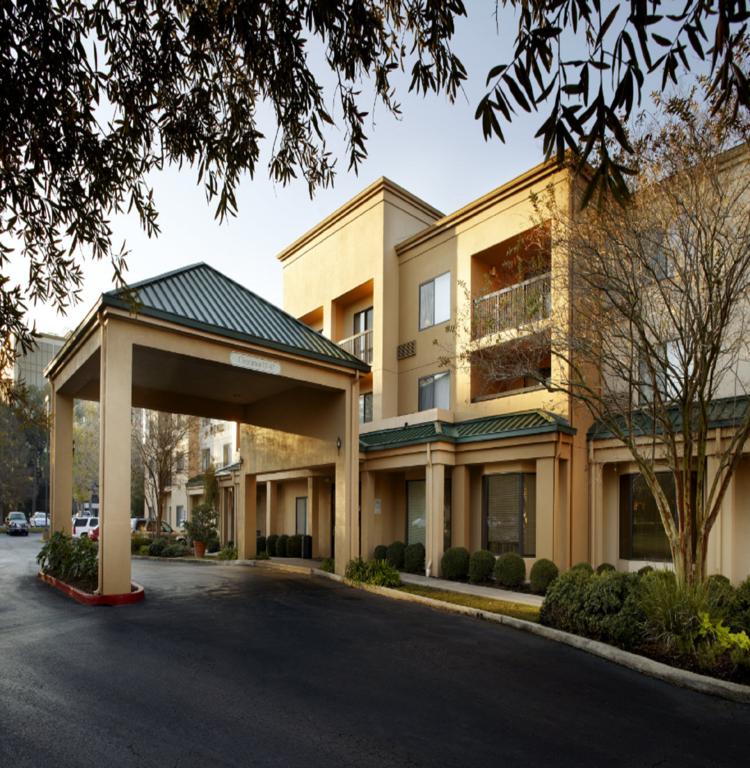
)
(134, 596)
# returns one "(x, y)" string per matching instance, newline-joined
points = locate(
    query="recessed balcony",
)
(359, 345)
(513, 307)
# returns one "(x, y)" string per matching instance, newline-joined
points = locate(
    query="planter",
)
(135, 595)
(200, 548)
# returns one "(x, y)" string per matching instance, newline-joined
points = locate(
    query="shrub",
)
(262, 556)
(377, 572)
(294, 546)
(260, 544)
(137, 541)
(414, 555)
(586, 567)
(481, 564)
(157, 547)
(327, 565)
(455, 564)
(605, 568)
(71, 560)
(201, 525)
(228, 553)
(282, 544)
(542, 574)
(144, 549)
(395, 554)
(646, 569)
(510, 570)
(271, 544)
(175, 550)
(563, 603)
(740, 619)
(380, 552)
(723, 596)
(611, 609)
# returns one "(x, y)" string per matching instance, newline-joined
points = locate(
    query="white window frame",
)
(434, 320)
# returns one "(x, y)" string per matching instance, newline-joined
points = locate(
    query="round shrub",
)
(294, 546)
(175, 550)
(281, 545)
(137, 542)
(414, 555)
(585, 567)
(563, 604)
(144, 549)
(740, 620)
(157, 546)
(271, 544)
(542, 574)
(395, 555)
(722, 596)
(380, 552)
(481, 564)
(605, 568)
(455, 564)
(260, 544)
(510, 570)
(646, 569)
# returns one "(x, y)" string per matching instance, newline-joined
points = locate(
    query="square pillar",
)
(461, 507)
(61, 463)
(545, 507)
(272, 490)
(721, 550)
(435, 503)
(347, 480)
(596, 500)
(313, 513)
(367, 513)
(247, 527)
(115, 397)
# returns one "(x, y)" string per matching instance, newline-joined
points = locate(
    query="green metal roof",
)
(722, 412)
(474, 430)
(201, 297)
(196, 481)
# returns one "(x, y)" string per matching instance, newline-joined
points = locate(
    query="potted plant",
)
(201, 527)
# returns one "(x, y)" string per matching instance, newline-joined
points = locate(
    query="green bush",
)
(542, 574)
(481, 564)
(144, 549)
(563, 603)
(380, 552)
(723, 597)
(228, 553)
(157, 547)
(586, 567)
(262, 556)
(327, 565)
(294, 546)
(740, 618)
(213, 544)
(646, 569)
(175, 550)
(605, 568)
(510, 570)
(455, 564)
(395, 555)
(282, 544)
(377, 572)
(201, 525)
(260, 544)
(73, 561)
(137, 541)
(414, 555)
(271, 544)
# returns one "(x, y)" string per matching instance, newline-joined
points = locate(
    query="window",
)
(642, 535)
(180, 516)
(362, 344)
(670, 368)
(227, 454)
(434, 391)
(416, 522)
(365, 408)
(435, 301)
(301, 515)
(362, 321)
(510, 513)
(179, 462)
(205, 459)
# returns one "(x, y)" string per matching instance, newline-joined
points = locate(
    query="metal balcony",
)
(512, 307)
(359, 345)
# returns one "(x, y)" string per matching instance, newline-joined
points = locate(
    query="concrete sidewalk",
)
(473, 589)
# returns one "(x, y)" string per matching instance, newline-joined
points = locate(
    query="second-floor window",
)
(434, 391)
(435, 301)
(365, 408)
(227, 457)
(205, 459)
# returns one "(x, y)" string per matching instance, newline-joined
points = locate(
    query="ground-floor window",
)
(510, 513)
(642, 535)
(301, 515)
(415, 512)
(180, 516)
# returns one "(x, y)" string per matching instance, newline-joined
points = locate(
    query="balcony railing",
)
(512, 307)
(359, 345)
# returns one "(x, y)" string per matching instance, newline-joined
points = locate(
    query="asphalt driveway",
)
(227, 666)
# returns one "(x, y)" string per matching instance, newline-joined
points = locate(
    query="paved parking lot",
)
(227, 666)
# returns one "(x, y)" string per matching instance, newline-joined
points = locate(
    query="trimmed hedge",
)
(542, 574)
(271, 544)
(455, 564)
(137, 542)
(260, 544)
(380, 552)
(175, 550)
(157, 546)
(510, 570)
(414, 555)
(395, 555)
(378, 572)
(585, 567)
(481, 564)
(605, 568)
(294, 546)
(281, 545)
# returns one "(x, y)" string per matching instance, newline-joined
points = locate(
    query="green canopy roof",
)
(474, 430)
(201, 297)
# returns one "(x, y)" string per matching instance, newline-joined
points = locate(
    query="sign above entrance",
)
(252, 363)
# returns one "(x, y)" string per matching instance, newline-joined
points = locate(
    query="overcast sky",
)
(436, 150)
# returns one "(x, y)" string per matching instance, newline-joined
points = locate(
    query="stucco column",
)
(721, 539)
(545, 506)
(367, 513)
(460, 507)
(596, 500)
(61, 463)
(271, 500)
(347, 480)
(247, 526)
(435, 504)
(313, 513)
(116, 374)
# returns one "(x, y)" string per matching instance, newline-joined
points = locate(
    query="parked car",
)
(82, 526)
(146, 527)
(16, 524)
(40, 519)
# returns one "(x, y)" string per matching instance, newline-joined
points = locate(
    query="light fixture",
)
(338, 444)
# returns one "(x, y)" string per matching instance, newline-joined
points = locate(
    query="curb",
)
(135, 595)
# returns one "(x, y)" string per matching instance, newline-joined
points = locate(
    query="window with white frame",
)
(205, 459)
(365, 408)
(434, 391)
(227, 456)
(435, 301)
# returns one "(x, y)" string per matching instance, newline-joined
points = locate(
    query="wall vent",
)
(409, 349)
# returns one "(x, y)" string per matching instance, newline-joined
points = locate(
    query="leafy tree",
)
(86, 450)
(15, 479)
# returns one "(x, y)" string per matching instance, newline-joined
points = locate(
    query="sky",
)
(436, 150)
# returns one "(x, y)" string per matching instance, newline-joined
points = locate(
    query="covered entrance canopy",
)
(195, 342)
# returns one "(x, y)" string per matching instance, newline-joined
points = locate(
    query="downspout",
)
(428, 490)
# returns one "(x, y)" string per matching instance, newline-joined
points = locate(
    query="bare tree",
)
(648, 323)
(86, 450)
(160, 444)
